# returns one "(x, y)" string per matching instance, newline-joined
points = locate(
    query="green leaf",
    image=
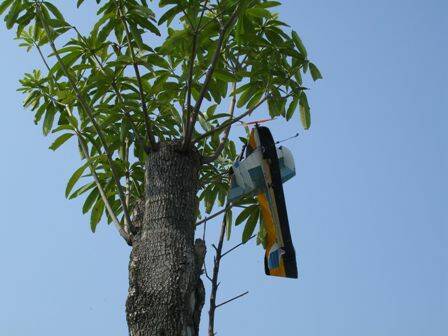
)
(53, 9)
(60, 141)
(250, 225)
(228, 223)
(258, 12)
(4, 5)
(90, 200)
(48, 121)
(224, 75)
(97, 213)
(305, 115)
(75, 177)
(155, 59)
(13, 13)
(262, 234)
(82, 190)
(245, 214)
(292, 107)
(299, 44)
(315, 73)
(210, 198)
(169, 15)
(269, 4)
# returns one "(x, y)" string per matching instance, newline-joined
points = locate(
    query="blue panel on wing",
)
(257, 177)
(235, 192)
(274, 258)
(285, 172)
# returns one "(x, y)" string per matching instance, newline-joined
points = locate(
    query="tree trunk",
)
(166, 293)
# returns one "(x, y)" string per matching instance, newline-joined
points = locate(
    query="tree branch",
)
(231, 121)
(191, 123)
(215, 284)
(190, 83)
(148, 125)
(112, 215)
(90, 113)
(232, 299)
(236, 246)
(228, 206)
(222, 144)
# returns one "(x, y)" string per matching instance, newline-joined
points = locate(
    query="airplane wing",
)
(280, 258)
(248, 177)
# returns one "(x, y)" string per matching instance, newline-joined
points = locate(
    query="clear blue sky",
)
(368, 207)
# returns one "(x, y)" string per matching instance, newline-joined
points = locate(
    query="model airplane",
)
(263, 172)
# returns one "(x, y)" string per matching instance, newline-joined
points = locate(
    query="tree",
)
(151, 130)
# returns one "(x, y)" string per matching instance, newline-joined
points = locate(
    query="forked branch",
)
(148, 124)
(208, 77)
(214, 280)
(215, 284)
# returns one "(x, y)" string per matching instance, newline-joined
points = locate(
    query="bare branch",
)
(230, 121)
(204, 8)
(191, 69)
(215, 284)
(222, 34)
(232, 299)
(90, 113)
(236, 246)
(229, 206)
(222, 144)
(190, 83)
(148, 125)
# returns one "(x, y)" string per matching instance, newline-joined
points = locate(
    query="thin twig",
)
(204, 8)
(188, 106)
(215, 284)
(206, 273)
(188, 17)
(230, 121)
(191, 66)
(228, 206)
(232, 299)
(236, 246)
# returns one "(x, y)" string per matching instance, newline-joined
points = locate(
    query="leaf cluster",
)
(143, 74)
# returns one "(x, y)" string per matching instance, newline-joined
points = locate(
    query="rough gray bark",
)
(166, 294)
